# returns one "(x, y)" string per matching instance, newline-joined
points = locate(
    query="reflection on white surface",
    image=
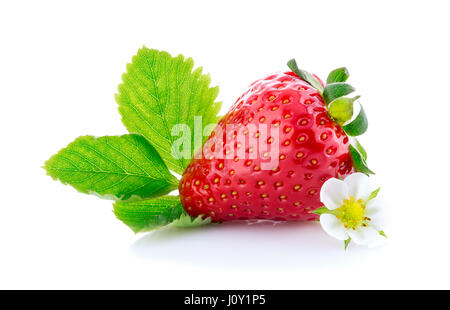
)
(280, 245)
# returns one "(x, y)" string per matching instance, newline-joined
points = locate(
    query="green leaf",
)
(347, 242)
(358, 126)
(160, 91)
(338, 75)
(117, 167)
(336, 90)
(360, 148)
(341, 109)
(305, 75)
(186, 221)
(373, 194)
(149, 214)
(358, 161)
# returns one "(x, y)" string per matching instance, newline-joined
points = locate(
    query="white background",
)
(61, 62)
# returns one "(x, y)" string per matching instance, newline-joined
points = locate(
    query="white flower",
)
(352, 211)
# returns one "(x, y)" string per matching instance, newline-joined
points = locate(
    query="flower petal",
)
(364, 235)
(333, 192)
(376, 212)
(333, 226)
(358, 185)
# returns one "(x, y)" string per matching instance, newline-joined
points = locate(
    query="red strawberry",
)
(312, 148)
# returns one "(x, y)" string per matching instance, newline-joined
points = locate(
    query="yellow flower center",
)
(351, 213)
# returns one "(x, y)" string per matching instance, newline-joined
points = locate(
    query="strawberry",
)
(310, 147)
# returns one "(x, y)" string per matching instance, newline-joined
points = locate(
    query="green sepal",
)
(336, 90)
(358, 126)
(373, 194)
(305, 75)
(341, 109)
(360, 148)
(324, 210)
(338, 75)
(347, 242)
(321, 210)
(358, 161)
(186, 221)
